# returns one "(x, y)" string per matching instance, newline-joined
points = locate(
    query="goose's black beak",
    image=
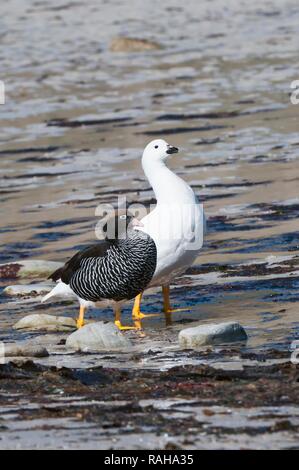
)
(171, 149)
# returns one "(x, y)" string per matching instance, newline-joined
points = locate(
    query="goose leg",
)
(166, 302)
(117, 321)
(136, 313)
(80, 319)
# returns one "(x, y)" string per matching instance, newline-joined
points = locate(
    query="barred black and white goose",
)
(115, 269)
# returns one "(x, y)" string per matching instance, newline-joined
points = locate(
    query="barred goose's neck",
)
(130, 239)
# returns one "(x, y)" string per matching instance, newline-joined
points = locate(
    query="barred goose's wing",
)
(66, 272)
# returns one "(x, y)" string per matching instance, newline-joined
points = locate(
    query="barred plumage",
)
(123, 272)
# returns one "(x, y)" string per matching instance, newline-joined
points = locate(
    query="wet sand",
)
(76, 119)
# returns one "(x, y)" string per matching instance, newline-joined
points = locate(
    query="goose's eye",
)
(123, 217)
(156, 146)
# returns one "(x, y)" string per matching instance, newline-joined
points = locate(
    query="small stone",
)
(133, 45)
(100, 336)
(24, 350)
(213, 333)
(28, 269)
(45, 322)
(27, 290)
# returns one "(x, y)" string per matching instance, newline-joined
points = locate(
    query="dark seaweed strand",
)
(125, 270)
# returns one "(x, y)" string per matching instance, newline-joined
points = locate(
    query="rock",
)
(29, 290)
(50, 340)
(100, 336)
(212, 333)
(28, 269)
(24, 350)
(45, 322)
(133, 45)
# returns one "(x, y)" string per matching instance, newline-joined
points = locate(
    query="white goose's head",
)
(158, 151)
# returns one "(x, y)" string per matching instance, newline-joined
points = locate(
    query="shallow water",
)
(77, 117)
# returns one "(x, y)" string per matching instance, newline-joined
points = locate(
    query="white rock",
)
(99, 336)
(28, 269)
(24, 350)
(27, 290)
(212, 333)
(45, 322)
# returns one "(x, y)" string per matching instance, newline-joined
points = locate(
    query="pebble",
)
(122, 44)
(99, 336)
(28, 269)
(210, 334)
(27, 290)
(42, 321)
(24, 350)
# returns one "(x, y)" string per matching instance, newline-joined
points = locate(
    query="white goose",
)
(177, 224)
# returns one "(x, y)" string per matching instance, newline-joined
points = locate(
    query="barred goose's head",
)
(118, 224)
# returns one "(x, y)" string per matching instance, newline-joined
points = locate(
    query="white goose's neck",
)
(167, 186)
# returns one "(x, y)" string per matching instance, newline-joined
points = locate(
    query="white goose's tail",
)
(60, 290)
